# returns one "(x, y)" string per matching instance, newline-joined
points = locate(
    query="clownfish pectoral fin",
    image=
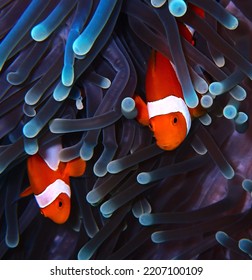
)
(26, 192)
(142, 111)
(197, 112)
(75, 167)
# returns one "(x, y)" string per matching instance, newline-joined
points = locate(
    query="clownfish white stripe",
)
(169, 104)
(52, 192)
(51, 155)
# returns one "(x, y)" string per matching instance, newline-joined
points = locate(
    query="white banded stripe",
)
(52, 192)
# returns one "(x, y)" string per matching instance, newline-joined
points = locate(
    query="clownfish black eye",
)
(60, 204)
(175, 120)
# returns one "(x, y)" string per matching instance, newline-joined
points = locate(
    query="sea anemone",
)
(69, 72)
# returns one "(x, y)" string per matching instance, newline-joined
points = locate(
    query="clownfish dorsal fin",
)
(75, 167)
(26, 192)
(152, 61)
(153, 57)
(161, 79)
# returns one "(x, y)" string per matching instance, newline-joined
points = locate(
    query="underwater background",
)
(69, 71)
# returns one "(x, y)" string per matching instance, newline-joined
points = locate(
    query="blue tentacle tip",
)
(67, 76)
(145, 219)
(143, 178)
(216, 88)
(30, 129)
(39, 33)
(246, 246)
(61, 92)
(177, 7)
(128, 108)
(157, 3)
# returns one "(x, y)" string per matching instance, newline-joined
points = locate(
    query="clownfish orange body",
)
(50, 182)
(166, 112)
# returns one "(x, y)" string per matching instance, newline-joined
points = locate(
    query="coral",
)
(69, 71)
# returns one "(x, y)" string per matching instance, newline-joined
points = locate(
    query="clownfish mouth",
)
(168, 147)
(175, 141)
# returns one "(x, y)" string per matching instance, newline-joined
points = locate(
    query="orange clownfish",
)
(166, 112)
(50, 183)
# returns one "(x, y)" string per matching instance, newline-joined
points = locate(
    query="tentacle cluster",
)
(69, 71)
